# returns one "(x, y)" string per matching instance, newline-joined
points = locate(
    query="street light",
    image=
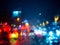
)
(43, 24)
(47, 22)
(56, 18)
(18, 19)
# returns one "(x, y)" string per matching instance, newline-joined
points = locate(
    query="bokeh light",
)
(13, 35)
(18, 19)
(16, 13)
(47, 22)
(51, 33)
(56, 18)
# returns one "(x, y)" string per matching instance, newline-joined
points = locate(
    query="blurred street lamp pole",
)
(17, 15)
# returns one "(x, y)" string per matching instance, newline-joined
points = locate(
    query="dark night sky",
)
(30, 9)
